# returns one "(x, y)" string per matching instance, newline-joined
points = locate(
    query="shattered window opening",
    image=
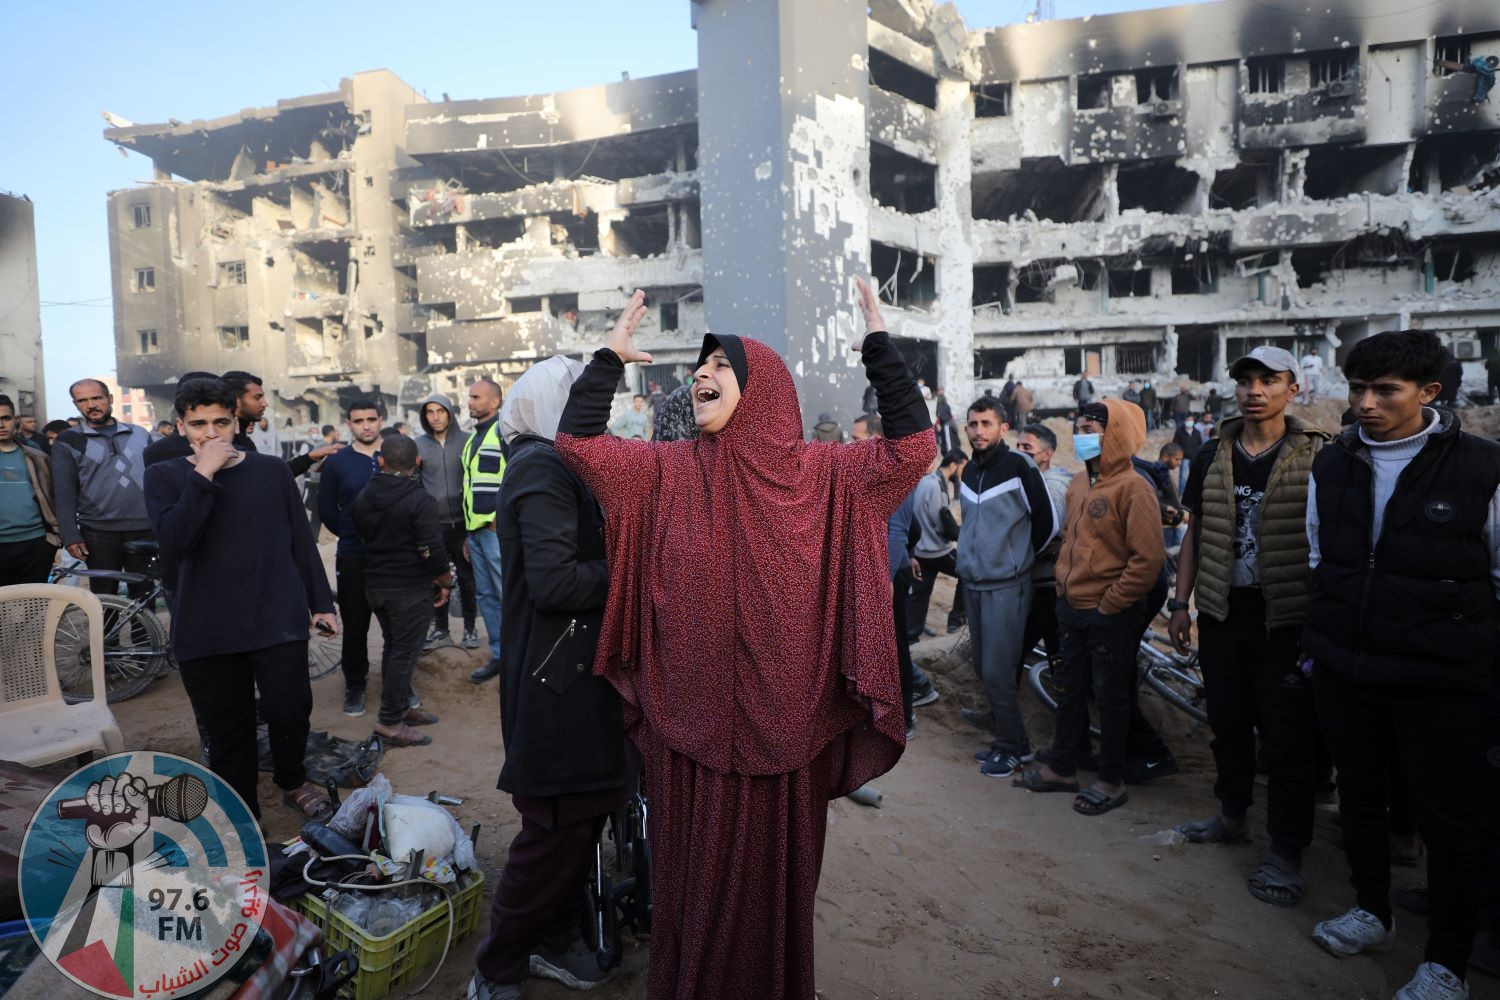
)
(1328, 67)
(901, 182)
(148, 342)
(894, 76)
(1093, 91)
(234, 338)
(232, 272)
(1266, 74)
(1046, 188)
(992, 286)
(1158, 186)
(1127, 283)
(992, 100)
(1158, 84)
(145, 279)
(1457, 50)
(140, 216)
(1198, 276)
(994, 362)
(906, 279)
(1136, 359)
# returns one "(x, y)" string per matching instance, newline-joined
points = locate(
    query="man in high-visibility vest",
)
(484, 467)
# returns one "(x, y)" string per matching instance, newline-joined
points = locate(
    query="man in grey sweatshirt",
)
(97, 473)
(441, 446)
(935, 548)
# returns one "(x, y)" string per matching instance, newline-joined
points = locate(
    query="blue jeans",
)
(484, 555)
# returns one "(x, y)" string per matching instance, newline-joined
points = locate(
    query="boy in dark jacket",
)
(406, 576)
(1403, 526)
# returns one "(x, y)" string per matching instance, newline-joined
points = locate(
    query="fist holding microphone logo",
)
(143, 874)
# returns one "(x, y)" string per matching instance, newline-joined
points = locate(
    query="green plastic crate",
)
(395, 959)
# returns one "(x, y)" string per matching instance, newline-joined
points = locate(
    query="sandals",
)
(417, 717)
(1032, 781)
(1092, 802)
(406, 736)
(1277, 883)
(311, 801)
(1213, 831)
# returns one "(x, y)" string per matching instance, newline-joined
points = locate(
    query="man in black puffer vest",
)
(1400, 639)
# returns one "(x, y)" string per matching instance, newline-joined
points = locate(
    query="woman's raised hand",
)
(869, 306)
(622, 337)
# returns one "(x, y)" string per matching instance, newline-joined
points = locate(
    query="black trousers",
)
(1041, 623)
(901, 586)
(1099, 648)
(1435, 737)
(453, 541)
(403, 617)
(107, 551)
(1488, 783)
(354, 609)
(26, 562)
(540, 896)
(921, 595)
(1254, 685)
(222, 691)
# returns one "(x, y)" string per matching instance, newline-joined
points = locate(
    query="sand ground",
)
(959, 886)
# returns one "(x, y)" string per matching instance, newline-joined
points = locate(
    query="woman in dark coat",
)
(565, 753)
(749, 633)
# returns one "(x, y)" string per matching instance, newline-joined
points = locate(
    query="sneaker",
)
(484, 673)
(1000, 764)
(1433, 982)
(354, 702)
(1138, 771)
(925, 696)
(471, 639)
(481, 988)
(954, 627)
(414, 700)
(1025, 757)
(436, 639)
(984, 755)
(576, 968)
(1354, 932)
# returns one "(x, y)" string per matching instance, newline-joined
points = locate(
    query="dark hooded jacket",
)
(398, 525)
(443, 462)
(562, 725)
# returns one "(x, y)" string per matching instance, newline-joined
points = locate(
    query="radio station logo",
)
(144, 875)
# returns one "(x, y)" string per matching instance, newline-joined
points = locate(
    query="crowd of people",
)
(661, 569)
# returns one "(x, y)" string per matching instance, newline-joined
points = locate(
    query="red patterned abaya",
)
(749, 632)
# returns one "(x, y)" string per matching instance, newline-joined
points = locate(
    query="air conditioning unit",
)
(1466, 350)
(1341, 89)
(1165, 109)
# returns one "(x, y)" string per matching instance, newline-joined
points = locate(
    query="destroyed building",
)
(20, 308)
(1136, 195)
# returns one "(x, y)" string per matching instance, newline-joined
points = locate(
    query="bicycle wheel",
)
(1180, 687)
(1039, 676)
(136, 649)
(324, 655)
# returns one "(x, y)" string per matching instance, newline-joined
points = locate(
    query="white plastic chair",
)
(36, 725)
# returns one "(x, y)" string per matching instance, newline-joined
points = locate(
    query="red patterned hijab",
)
(749, 618)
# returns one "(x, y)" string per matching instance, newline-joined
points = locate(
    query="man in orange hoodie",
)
(1112, 554)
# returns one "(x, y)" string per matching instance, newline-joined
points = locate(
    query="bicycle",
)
(1175, 678)
(136, 646)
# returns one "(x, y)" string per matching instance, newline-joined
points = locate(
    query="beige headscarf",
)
(535, 403)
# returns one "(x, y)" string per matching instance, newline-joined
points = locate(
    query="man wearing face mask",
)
(1112, 554)
(1007, 520)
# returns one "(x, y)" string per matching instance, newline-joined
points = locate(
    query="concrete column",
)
(784, 164)
(955, 267)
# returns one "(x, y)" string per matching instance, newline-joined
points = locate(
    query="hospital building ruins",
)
(1139, 195)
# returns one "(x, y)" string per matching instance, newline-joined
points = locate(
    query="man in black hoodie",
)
(406, 576)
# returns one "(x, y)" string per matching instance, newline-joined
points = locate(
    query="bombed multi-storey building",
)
(20, 308)
(1141, 195)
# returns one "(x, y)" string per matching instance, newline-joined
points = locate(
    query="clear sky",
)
(69, 62)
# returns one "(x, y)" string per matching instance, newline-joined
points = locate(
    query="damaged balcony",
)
(304, 131)
(1303, 100)
(440, 204)
(606, 111)
(1128, 116)
(902, 124)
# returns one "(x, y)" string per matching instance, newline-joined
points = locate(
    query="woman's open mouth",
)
(705, 394)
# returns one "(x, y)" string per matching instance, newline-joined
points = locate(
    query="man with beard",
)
(97, 472)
